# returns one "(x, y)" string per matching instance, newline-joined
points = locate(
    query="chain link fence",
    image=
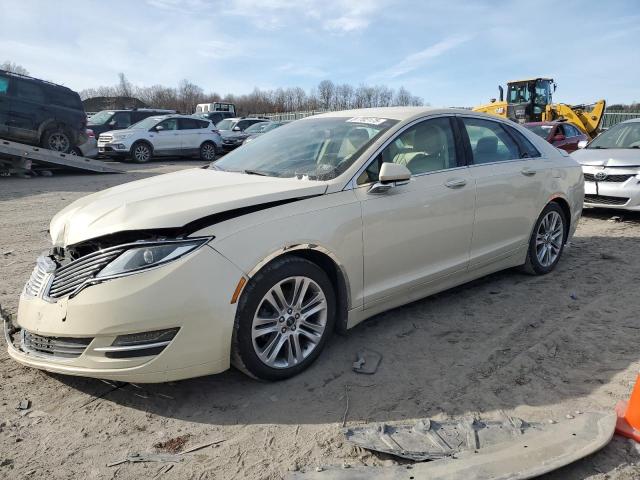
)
(611, 118)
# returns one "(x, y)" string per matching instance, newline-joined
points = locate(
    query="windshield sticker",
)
(368, 120)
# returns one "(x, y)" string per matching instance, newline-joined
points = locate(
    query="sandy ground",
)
(535, 347)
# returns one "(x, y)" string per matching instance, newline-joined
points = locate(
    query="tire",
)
(76, 152)
(57, 140)
(547, 241)
(275, 342)
(208, 152)
(141, 152)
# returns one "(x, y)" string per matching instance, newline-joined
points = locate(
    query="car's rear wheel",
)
(76, 152)
(285, 316)
(208, 152)
(141, 152)
(547, 240)
(57, 140)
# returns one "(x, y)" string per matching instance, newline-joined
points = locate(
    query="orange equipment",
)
(628, 424)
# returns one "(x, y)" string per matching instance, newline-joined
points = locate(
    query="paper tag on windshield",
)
(368, 120)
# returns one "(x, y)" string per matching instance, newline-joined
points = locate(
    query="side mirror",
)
(236, 129)
(582, 143)
(112, 123)
(158, 128)
(391, 175)
(559, 138)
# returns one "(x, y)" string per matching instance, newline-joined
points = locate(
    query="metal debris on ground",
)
(201, 446)
(522, 451)
(367, 362)
(149, 457)
(24, 405)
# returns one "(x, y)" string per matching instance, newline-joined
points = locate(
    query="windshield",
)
(259, 127)
(101, 118)
(623, 135)
(319, 148)
(146, 124)
(226, 124)
(540, 130)
(518, 93)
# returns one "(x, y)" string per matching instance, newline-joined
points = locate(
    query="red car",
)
(562, 135)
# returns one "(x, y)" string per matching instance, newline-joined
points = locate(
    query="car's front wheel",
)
(141, 152)
(284, 318)
(208, 151)
(547, 240)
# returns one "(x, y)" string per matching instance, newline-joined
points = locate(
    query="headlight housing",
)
(121, 136)
(149, 255)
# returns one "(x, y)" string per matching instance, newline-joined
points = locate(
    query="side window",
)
(62, 98)
(203, 124)
(489, 141)
(188, 124)
(573, 131)
(29, 91)
(426, 147)
(169, 124)
(4, 85)
(526, 147)
(121, 119)
(243, 124)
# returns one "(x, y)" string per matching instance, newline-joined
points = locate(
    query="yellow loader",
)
(530, 101)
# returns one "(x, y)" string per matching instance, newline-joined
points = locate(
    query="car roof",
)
(401, 113)
(539, 124)
(631, 120)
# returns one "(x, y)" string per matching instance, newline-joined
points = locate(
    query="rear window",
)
(64, 98)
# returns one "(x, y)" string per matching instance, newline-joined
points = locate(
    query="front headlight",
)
(137, 258)
(121, 136)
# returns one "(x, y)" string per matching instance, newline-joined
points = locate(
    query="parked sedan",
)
(563, 135)
(611, 165)
(317, 226)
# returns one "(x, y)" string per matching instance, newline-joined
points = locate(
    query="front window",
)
(317, 148)
(146, 124)
(258, 127)
(100, 118)
(623, 135)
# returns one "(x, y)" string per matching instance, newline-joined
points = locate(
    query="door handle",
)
(455, 183)
(528, 171)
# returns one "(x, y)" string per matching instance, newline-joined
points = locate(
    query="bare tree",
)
(326, 92)
(189, 95)
(124, 88)
(13, 67)
(403, 97)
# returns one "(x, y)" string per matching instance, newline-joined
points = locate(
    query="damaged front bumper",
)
(164, 324)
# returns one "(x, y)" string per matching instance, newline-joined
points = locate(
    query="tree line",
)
(326, 96)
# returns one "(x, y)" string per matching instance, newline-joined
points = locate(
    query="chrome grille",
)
(589, 177)
(40, 276)
(61, 347)
(73, 275)
(104, 139)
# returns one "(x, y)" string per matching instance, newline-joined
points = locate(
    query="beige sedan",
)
(310, 228)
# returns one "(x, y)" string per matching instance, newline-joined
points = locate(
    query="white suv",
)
(182, 135)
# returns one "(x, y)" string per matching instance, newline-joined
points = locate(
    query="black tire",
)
(243, 356)
(58, 140)
(533, 265)
(76, 152)
(208, 152)
(141, 152)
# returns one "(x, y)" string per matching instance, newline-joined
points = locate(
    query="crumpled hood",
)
(170, 201)
(609, 157)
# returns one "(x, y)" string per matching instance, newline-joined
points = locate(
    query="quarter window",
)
(426, 147)
(489, 141)
(526, 147)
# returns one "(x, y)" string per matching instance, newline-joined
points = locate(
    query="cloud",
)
(418, 59)
(218, 49)
(302, 70)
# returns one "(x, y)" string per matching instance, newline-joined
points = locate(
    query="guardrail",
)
(611, 117)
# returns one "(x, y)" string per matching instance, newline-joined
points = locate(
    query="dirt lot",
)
(535, 347)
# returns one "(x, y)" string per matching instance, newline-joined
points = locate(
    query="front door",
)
(167, 140)
(416, 233)
(27, 110)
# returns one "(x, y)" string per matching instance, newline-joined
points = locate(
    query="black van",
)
(121, 119)
(40, 113)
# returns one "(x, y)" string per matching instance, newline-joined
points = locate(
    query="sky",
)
(449, 52)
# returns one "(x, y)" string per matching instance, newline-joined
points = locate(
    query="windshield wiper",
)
(256, 172)
(600, 148)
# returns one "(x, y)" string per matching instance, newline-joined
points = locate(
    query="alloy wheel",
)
(58, 142)
(141, 153)
(289, 322)
(208, 152)
(549, 238)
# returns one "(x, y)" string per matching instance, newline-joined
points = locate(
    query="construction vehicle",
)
(530, 100)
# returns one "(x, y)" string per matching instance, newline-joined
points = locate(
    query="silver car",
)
(611, 167)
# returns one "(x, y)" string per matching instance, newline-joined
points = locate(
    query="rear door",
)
(507, 189)
(420, 232)
(190, 134)
(27, 110)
